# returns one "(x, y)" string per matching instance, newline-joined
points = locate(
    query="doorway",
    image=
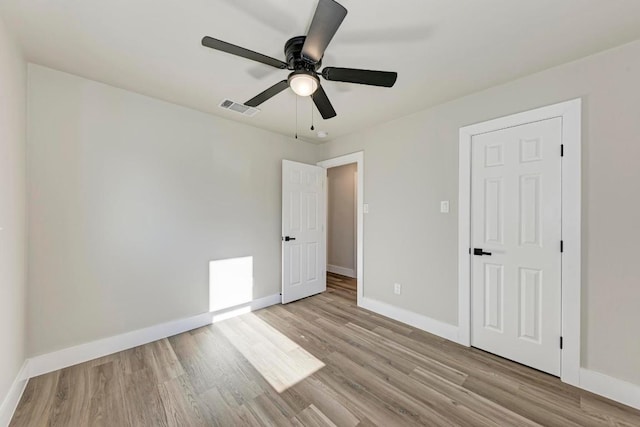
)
(342, 182)
(519, 238)
(304, 227)
(348, 177)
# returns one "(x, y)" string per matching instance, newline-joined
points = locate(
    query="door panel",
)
(493, 211)
(493, 297)
(516, 217)
(530, 316)
(303, 219)
(529, 210)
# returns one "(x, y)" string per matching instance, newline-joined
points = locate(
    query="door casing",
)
(570, 112)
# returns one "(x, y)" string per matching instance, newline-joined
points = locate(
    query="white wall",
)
(341, 219)
(13, 92)
(130, 198)
(411, 165)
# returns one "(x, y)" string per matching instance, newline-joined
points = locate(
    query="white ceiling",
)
(441, 49)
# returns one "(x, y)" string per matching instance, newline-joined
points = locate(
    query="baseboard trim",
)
(610, 387)
(411, 318)
(49, 362)
(343, 271)
(64, 358)
(254, 305)
(10, 402)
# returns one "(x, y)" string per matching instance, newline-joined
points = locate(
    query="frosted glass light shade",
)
(303, 84)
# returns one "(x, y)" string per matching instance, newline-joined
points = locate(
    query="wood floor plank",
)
(321, 361)
(268, 412)
(313, 417)
(37, 400)
(279, 360)
(233, 374)
(180, 403)
(461, 396)
(392, 389)
(360, 347)
(163, 361)
(107, 403)
(516, 404)
(72, 397)
(362, 402)
(608, 412)
(218, 410)
(143, 404)
(328, 401)
(307, 334)
(202, 374)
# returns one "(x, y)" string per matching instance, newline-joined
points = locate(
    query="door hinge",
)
(561, 343)
(561, 246)
(561, 150)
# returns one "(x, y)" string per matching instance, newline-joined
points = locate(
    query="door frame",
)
(570, 112)
(358, 158)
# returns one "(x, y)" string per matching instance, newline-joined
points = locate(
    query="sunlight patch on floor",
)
(281, 362)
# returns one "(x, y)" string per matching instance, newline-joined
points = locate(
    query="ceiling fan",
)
(304, 58)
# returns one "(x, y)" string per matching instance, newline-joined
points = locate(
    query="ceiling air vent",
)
(227, 104)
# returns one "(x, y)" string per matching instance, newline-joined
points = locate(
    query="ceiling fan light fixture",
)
(303, 83)
(304, 57)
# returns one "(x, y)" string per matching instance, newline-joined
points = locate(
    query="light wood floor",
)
(320, 361)
(342, 286)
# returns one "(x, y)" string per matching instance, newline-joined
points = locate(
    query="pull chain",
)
(296, 117)
(312, 128)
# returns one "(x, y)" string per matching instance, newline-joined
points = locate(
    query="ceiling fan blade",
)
(363, 77)
(267, 94)
(326, 21)
(322, 102)
(240, 51)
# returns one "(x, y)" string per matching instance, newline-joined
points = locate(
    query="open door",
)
(304, 265)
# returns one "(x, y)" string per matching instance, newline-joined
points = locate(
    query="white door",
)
(304, 265)
(516, 243)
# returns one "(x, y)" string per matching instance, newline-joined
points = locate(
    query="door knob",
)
(480, 252)
(287, 238)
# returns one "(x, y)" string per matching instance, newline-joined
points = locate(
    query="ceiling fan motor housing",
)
(293, 53)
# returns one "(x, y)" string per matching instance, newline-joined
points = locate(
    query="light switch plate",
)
(444, 206)
(366, 208)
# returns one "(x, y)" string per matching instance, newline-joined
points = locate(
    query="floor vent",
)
(227, 104)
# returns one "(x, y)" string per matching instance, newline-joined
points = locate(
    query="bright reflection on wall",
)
(230, 282)
(281, 362)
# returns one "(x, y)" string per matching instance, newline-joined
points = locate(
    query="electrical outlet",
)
(366, 207)
(444, 206)
(397, 288)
